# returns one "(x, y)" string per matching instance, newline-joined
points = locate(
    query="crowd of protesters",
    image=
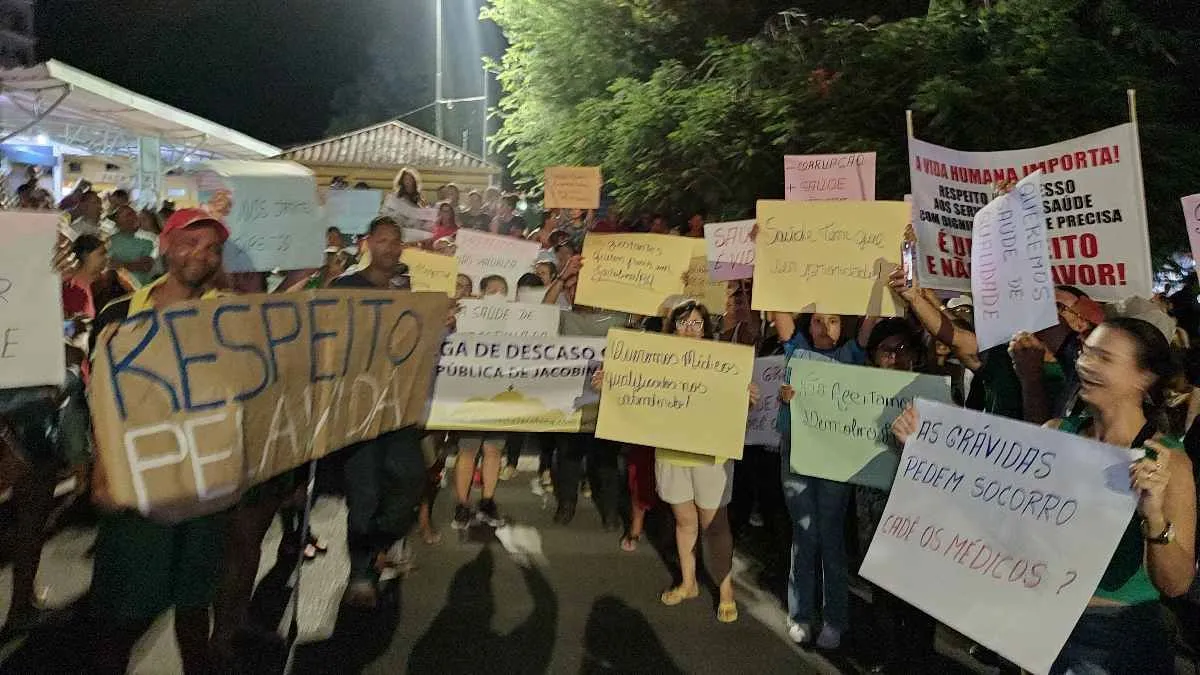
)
(1120, 374)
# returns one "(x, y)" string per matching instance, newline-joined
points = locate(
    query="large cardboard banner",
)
(1191, 215)
(430, 271)
(481, 255)
(761, 426)
(673, 392)
(573, 187)
(496, 317)
(730, 250)
(272, 211)
(844, 176)
(698, 286)
(1000, 529)
(31, 315)
(1091, 193)
(841, 418)
(828, 257)
(508, 383)
(352, 210)
(1010, 264)
(632, 272)
(195, 403)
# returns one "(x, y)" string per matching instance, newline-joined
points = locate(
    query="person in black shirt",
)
(384, 476)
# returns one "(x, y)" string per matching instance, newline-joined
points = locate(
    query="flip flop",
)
(727, 612)
(674, 596)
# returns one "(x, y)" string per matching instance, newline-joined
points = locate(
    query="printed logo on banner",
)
(1001, 530)
(1094, 216)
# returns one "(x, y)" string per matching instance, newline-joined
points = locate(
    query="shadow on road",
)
(359, 637)
(619, 639)
(461, 639)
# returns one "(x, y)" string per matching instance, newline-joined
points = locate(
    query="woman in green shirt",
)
(1125, 371)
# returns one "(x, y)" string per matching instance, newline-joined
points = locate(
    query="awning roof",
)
(78, 110)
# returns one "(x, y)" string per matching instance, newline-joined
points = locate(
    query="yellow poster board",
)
(828, 257)
(431, 271)
(673, 392)
(632, 272)
(699, 286)
(573, 187)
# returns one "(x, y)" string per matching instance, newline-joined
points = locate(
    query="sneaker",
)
(462, 517)
(361, 594)
(488, 513)
(799, 633)
(756, 519)
(830, 638)
(508, 472)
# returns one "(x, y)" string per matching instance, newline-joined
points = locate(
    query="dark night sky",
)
(268, 68)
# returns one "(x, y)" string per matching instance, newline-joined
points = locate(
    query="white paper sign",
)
(31, 317)
(272, 211)
(481, 255)
(1000, 529)
(496, 317)
(761, 426)
(849, 175)
(730, 250)
(1010, 266)
(1191, 215)
(1092, 196)
(351, 211)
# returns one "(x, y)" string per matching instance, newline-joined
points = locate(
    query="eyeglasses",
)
(892, 350)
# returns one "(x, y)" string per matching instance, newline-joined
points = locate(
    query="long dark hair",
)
(1165, 403)
(804, 325)
(685, 309)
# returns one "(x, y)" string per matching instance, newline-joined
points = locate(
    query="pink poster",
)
(1191, 215)
(848, 176)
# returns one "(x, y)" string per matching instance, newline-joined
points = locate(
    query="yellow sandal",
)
(727, 612)
(674, 596)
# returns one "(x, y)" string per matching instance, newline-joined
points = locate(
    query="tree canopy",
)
(687, 103)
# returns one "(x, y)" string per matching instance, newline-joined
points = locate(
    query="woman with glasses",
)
(817, 506)
(698, 488)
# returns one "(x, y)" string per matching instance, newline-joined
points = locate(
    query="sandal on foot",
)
(674, 596)
(629, 543)
(727, 612)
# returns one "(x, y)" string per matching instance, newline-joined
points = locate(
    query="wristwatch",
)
(1167, 536)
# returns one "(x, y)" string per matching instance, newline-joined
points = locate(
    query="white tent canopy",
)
(78, 110)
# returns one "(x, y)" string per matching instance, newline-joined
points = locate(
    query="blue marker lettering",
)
(126, 364)
(185, 382)
(249, 348)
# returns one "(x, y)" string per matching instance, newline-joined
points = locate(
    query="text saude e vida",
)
(666, 392)
(1012, 499)
(1065, 207)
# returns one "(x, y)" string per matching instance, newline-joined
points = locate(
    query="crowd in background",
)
(1133, 358)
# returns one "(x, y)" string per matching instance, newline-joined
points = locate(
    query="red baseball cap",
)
(185, 218)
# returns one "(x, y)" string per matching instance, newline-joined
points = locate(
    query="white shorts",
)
(709, 486)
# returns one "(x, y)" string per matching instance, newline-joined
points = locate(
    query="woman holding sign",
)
(817, 506)
(1125, 373)
(698, 488)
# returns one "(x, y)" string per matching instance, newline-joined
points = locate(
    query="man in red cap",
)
(142, 567)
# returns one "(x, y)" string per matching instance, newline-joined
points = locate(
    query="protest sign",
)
(828, 257)
(843, 176)
(495, 316)
(698, 286)
(761, 426)
(481, 255)
(351, 211)
(195, 403)
(573, 187)
(730, 250)
(509, 383)
(430, 271)
(632, 272)
(673, 392)
(31, 314)
(1000, 529)
(1010, 281)
(841, 419)
(271, 209)
(412, 235)
(1191, 215)
(1091, 194)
